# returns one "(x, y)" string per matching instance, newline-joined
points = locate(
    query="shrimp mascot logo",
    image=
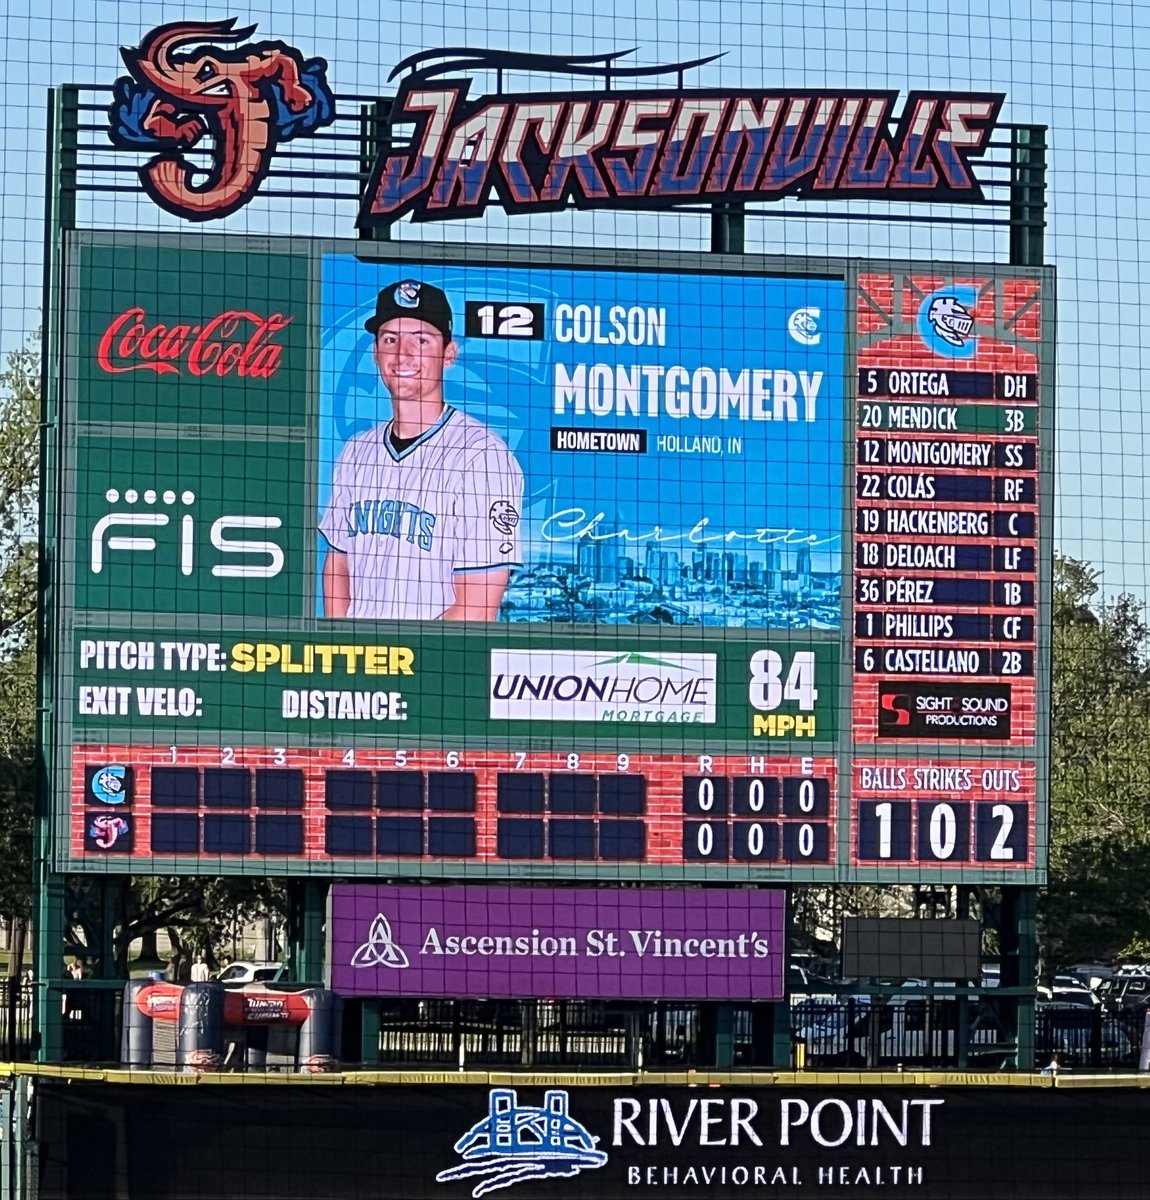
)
(238, 104)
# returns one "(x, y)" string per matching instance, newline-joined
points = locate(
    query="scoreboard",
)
(951, 500)
(666, 567)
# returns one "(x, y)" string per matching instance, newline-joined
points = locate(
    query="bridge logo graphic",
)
(516, 1143)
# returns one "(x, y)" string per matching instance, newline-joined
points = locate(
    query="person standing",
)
(423, 518)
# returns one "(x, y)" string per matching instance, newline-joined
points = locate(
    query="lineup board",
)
(948, 545)
(770, 552)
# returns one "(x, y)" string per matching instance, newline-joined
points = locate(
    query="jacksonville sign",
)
(541, 151)
(449, 155)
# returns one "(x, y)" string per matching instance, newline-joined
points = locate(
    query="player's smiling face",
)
(411, 356)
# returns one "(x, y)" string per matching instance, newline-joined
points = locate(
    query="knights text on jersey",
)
(410, 520)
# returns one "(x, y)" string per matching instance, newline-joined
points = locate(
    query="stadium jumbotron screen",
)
(379, 561)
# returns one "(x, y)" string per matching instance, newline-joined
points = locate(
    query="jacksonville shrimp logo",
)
(238, 104)
(105, 831)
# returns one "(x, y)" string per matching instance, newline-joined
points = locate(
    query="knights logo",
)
(950, 320)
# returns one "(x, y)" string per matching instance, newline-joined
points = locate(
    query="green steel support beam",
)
(112, 889)
(962, 1034)
(724, 1036)
(307, 918)
(1028, 196)
(48, 1038)
(113, 905)
(1019, 934)
(716, 1035)
(782, 1047)
(68, 154)
(59, 215)
(375, 141)
(369, 1033)
(728, 236)
(728, 228)
(1019, 913)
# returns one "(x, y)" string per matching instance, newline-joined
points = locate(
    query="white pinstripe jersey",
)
(410, 520)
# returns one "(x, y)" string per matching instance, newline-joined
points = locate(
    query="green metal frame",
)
(59, 214)
(308, 897)
(1019, 913)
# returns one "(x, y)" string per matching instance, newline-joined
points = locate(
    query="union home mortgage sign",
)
(537, 151)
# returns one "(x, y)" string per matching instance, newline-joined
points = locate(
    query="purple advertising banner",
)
(579, 943)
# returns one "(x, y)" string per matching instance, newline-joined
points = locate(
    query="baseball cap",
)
(411, 298)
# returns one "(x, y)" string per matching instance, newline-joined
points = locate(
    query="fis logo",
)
(128, 530)
(946, 322)
(516, 1143)
(803, 326)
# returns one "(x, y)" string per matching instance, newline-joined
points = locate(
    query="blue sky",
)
(1070, 65)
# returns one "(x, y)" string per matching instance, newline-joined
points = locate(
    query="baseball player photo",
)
(423, 519)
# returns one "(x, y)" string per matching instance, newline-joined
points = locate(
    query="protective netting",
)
(540, 539)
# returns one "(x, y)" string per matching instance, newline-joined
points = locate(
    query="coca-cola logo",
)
(234, 342)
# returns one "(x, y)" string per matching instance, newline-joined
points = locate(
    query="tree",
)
(19, 498)
(19, 494)
(196, 912)
(1097, 902)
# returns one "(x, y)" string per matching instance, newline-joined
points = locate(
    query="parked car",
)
(1091, 973)
(251, 972)
(910, 1030)
(803, 984)
(1082, 1037)
(925, 1032)
(1069, 990)
(1128, 987)
(830, 1027)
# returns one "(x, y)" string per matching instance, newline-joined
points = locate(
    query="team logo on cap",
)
(407, 293)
